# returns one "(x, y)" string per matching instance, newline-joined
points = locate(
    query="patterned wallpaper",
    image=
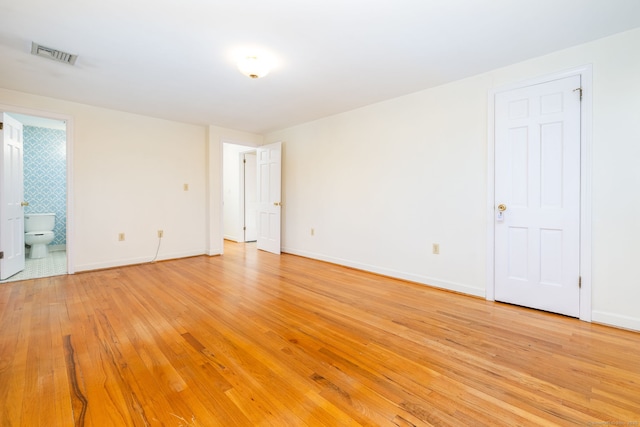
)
(45, 175)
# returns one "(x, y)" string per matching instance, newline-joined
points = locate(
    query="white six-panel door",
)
(269, 158)
(11, 198)
(537, 182)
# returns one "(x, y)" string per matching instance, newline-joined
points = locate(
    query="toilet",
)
(39, 233)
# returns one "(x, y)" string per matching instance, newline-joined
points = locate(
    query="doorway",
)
(45, 188)
(239, 190)
(539, 201)
(238, 215)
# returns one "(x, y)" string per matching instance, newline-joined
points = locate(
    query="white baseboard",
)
(618, 320)
(134, 261)
(423, 280)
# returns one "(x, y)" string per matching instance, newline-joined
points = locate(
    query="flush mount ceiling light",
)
(254, 66)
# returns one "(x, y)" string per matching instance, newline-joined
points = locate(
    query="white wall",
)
(128, 176)
(382, 183)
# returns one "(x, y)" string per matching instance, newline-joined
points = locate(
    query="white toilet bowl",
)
(39, 233)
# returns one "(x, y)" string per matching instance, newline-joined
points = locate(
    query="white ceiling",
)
(176, 59)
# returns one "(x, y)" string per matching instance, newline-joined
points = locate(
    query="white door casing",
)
(269, 160)
(537, 178)
(11, 198)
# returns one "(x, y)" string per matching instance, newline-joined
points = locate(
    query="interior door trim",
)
(586, 74)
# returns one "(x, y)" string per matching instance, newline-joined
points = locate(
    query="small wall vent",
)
(54, 54)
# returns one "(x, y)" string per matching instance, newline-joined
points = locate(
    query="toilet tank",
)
(39, 222)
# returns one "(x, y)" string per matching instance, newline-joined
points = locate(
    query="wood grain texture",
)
(251, 338)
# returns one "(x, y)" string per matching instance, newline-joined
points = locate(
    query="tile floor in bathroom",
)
(54, 264)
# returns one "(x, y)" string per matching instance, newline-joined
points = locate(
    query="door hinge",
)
(1, 255)
(579, 282)
(1, 125)
(580, 90)
(244, 228)
(244, 160)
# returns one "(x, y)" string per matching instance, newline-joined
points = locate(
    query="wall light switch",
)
(185, 187)
(436, 248)
(121, 237)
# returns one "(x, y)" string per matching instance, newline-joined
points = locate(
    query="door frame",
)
(70, 247)
(586, 117)
(243, 190)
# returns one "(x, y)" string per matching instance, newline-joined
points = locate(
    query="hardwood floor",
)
(251, 338)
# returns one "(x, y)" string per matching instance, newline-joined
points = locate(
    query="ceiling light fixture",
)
(254, 67)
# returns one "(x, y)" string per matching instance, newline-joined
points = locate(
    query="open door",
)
(269, 191)
(11, 198)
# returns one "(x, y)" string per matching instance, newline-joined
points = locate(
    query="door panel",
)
(550, 262)
(537, 178)
(518, 151)
(269, 158)
(551, 167)
(11, 198)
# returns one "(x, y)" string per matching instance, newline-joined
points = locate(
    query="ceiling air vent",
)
(54, 54)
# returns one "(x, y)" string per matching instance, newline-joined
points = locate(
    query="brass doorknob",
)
(24, 204)
(502, 207)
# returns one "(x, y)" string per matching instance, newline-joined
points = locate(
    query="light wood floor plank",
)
(251, 338)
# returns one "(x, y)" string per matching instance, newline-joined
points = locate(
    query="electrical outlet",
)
(160, 234)
(436, 248)
(121, 237)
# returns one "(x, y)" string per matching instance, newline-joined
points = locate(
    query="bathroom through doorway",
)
(46, 186)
